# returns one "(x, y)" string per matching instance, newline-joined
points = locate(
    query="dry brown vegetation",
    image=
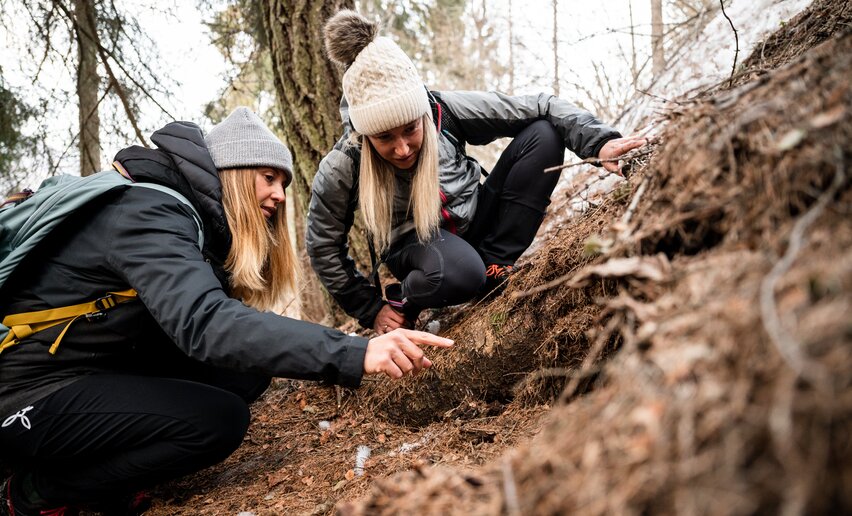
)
(683, 347)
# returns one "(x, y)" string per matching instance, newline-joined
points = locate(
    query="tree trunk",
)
(308, 90)
(658, 59)
(88, 84)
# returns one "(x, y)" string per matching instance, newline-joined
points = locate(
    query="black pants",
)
(107, 435)
(511, 206)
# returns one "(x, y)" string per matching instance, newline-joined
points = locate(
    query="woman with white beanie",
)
(402, 161)
(184, 266)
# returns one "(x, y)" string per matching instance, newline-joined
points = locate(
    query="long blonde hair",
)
(261, 261)
(378, 186)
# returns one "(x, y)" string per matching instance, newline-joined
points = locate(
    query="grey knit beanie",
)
(243, 140)
(380, 84)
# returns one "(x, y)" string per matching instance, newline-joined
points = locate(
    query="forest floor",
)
(684, 346)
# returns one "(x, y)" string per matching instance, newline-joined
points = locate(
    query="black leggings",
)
(449, 269)
(107, 435)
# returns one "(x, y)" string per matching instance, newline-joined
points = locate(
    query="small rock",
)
(433, 326)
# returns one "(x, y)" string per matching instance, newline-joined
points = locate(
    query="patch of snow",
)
(361, 458)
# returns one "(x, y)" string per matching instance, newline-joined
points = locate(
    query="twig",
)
(513, 508)
(736, 41)
(547, 286)
(788, 347)
(625, 219)
(679, 103)
(597, 161)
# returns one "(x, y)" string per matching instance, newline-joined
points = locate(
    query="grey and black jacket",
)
(147, 240)
(476, 118)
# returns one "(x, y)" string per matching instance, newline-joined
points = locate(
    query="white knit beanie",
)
(381, 85)
(242, 140)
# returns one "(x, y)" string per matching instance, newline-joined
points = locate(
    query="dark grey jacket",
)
(147, 240)
(477, 118)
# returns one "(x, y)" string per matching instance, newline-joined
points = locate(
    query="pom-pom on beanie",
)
(381, 85)
(243, 141)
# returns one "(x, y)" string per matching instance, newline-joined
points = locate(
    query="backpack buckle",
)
(104, 303)
(96, 316)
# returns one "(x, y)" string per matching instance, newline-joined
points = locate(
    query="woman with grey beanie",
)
(187, 265)
(402, 162)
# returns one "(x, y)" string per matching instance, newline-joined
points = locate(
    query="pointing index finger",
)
(422, 338)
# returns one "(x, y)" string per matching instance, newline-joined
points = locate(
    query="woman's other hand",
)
(398, 354)
(388, 319)
(617, 147)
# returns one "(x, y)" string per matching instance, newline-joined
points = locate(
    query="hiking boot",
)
(12, 504)
(401, 305)
(496, 276)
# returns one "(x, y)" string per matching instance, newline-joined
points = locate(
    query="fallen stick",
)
(597, 161)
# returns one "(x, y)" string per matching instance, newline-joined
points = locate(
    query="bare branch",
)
(642, 151)
(736, 40)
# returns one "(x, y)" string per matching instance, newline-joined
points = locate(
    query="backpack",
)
(26, 219)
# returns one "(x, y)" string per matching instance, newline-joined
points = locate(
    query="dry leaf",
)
(273, 479)
(350, 474)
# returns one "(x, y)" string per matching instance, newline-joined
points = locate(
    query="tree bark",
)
(308, 91)
(658, 58)
(88, 85)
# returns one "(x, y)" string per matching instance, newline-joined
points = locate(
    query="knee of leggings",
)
(463, 282)
(547, 139)
(224, 426)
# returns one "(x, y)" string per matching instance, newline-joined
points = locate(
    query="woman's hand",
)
(397, 354)
(388, 319)
(615, 148)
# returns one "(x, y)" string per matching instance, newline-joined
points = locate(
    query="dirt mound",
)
(728, 290)
(693, 330)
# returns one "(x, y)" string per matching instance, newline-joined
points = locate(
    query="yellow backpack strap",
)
(25, 324)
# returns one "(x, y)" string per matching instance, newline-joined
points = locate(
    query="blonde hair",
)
(261, 260)
(377, 188)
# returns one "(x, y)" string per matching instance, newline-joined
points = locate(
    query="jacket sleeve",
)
(154, 249)
(330, 218)
(482, 117)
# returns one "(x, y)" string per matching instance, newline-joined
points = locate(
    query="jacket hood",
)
(182, 162)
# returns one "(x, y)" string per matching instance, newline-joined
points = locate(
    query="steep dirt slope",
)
(684, 347)
(728, 291)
